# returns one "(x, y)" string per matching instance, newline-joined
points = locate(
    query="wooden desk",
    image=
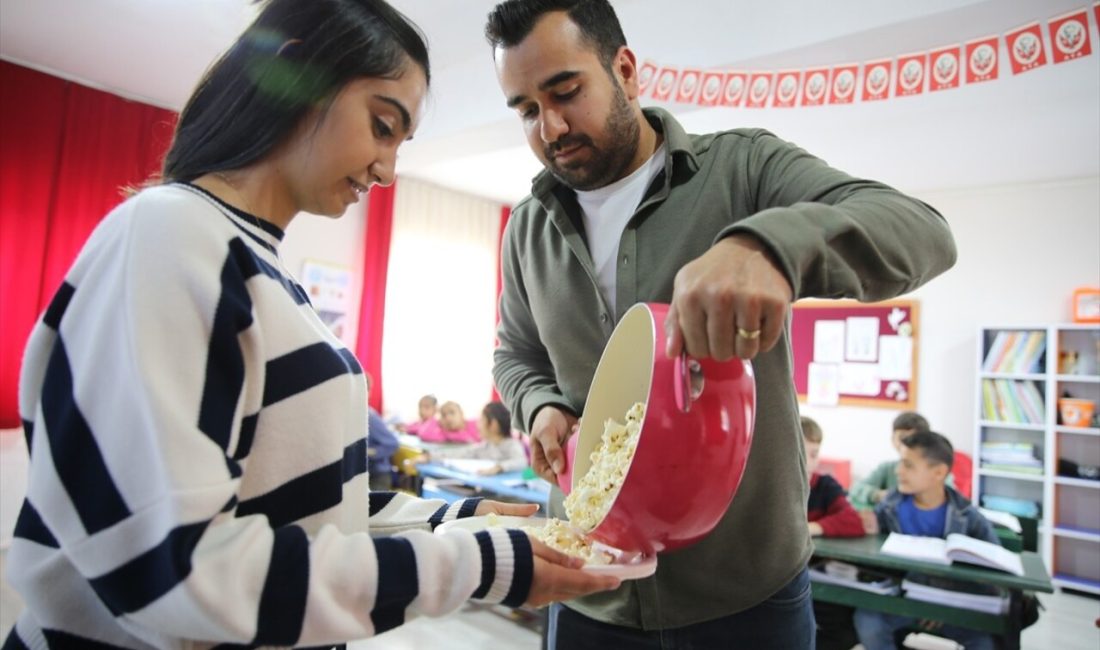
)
(508, 484)
(865, 551)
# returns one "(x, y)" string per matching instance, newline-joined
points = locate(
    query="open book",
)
(956, 548)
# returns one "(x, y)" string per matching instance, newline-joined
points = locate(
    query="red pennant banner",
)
(710, 89)
(646, 73)
(876, 79)
(912, 70)
(734, 90)
(760, 87)
(787, 84)
(843, 88)
(689, 85)
(981, 60)
(1025, 48)
(944, 68)
(1069, 36)
(665, 84)
(815, 88)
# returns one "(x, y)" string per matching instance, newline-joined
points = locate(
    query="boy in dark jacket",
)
(923, 504)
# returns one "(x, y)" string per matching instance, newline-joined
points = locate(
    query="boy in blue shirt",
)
(923, 504)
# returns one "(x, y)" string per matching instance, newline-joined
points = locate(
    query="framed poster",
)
(329, 289)
(857, 354)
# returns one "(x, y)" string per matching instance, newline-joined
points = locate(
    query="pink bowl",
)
(694, 441)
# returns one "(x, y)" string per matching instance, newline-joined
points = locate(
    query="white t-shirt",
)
(606, 212)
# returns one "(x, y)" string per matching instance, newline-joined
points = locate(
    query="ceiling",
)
(1042, 125)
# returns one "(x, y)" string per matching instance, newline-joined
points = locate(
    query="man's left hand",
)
(732, 300)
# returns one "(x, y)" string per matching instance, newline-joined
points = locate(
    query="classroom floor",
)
(1068, 623)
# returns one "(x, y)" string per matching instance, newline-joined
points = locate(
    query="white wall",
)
(1023, 249)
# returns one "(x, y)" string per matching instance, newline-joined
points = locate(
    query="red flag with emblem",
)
(1025, 48)
(943, 68)
(981, 60)
(912, 70)
(665, 84)
(733, 89)
(876, 79)
(815, 87)
(646, 73)
(710, 88)
(787, 84)
(760, 87)
(842, 90)
(688, 86)
(1069, 36)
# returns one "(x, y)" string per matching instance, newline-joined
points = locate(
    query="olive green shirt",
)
(833, 236)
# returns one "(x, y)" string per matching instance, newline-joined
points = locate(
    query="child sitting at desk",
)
(923, 504)
(498, 445)
(828, 512)
(871, 490)
(426, 407)
(830, 515)
(451, 427)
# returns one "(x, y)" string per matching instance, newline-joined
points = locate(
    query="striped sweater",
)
(198, 471)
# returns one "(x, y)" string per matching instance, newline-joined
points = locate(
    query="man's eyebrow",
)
(564, 75)
(406, 119)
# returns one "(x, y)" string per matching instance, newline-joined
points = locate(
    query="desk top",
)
(865, 550)
(510, 484)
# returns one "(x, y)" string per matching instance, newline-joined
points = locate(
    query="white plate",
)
(636, 567)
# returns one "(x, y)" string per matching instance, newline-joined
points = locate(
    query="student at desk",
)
(871, 490)
(923, 504)
(497, 443)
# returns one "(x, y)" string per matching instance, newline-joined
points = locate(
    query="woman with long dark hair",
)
(197, 436)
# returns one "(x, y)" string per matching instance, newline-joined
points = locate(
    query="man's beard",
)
(604, 165)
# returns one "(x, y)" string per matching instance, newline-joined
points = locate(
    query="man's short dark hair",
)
(511, 21)
(911, 421)
(935, 447)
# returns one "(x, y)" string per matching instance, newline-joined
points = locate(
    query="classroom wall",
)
(1023, 249)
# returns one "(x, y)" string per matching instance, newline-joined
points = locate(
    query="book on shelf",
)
(848, 575)
(956, 548)
(1006, 400)
(1018, 507)
(988, 603)
(1015, 351)
(1013, 468)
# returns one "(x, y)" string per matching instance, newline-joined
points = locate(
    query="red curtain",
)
(372, 305)
(67, 152)
(505, 214)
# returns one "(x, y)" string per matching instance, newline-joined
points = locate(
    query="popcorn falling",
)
(593, 495)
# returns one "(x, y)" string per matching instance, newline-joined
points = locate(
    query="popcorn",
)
(559, 535)
(593, 495)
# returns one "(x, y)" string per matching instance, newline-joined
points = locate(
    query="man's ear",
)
(625, 67)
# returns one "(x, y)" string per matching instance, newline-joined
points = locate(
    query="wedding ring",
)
(748, 335)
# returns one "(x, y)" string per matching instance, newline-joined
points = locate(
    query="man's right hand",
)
(551, 428)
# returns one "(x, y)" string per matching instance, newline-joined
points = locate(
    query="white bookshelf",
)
(1069, 525)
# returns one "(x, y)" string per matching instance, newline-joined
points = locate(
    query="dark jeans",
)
(783, 622)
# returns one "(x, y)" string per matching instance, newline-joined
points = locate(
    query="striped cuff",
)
(507, 566)
(456, 510)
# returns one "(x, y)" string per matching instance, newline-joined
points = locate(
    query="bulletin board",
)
(857, 354)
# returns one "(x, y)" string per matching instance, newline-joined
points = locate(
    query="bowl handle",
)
(687, 381)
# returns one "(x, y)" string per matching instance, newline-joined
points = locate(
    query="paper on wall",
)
(822, 384)
(895, 357)
(829, 341)
(862, 339)
(860, 379)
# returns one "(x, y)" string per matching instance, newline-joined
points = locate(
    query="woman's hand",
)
(559, 577)
(487, 507)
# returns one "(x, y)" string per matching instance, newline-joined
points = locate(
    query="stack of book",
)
(990, 604)
(1016, 352)
(1012, 401)
(1010, 457)
(847, 575)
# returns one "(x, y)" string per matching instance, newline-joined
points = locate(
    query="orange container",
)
(1075, 412)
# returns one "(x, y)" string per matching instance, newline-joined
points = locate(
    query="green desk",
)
(865, 551)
